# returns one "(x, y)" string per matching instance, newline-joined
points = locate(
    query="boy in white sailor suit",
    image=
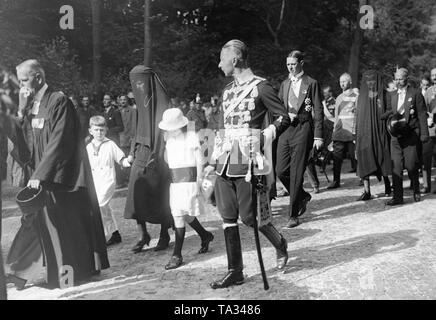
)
(246, 102)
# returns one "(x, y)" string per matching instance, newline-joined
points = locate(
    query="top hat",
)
(173, 119)
(398, 126)
(30, 200)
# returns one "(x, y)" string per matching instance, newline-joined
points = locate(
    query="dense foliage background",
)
(187, 36)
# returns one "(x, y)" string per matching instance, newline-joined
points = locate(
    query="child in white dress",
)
(103, 153)
(185, 161)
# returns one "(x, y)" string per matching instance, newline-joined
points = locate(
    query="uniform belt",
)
(186, 174)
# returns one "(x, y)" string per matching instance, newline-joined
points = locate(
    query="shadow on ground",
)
(345, 251)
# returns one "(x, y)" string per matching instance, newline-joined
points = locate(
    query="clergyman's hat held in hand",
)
(30, 200)
(397, 126)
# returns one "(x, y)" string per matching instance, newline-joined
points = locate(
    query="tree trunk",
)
(96, 45)
(353, 66)
(147, 34)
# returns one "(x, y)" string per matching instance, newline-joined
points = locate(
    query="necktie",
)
(401, 100)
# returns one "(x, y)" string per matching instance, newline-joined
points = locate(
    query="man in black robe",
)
(69, 226)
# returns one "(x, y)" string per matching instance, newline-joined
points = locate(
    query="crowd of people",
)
(79, 152)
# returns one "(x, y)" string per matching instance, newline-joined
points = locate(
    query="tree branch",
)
(282, 11)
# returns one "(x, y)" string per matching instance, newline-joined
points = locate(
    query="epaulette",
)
(356, 90)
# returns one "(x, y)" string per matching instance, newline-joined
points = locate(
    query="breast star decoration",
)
(308, 103)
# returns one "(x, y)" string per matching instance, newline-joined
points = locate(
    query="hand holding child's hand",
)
(208, 170)
(125, 163)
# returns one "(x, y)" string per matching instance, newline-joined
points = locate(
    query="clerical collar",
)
(296, 77)
(40, 93)
(245, 76)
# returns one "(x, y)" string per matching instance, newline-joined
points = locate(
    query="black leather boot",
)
(279, 242)
(234, 259)
(164, 238)
(176, 259)
(114, 239)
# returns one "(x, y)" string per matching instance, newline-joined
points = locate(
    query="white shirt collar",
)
(40, 93)
(402, 90)
(296, 77)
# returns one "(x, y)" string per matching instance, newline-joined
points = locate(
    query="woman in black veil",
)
(372, 137)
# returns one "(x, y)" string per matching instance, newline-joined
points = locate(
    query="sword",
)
(256, 185)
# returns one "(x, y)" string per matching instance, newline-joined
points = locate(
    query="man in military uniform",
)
(301, 95)
(247, 101)
(428, 148)
(344, 128)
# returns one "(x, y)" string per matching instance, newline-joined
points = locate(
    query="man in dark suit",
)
(113, 120)
(301, 96)
(409, 103)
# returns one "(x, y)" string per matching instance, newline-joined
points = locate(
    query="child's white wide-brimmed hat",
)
(173, 119)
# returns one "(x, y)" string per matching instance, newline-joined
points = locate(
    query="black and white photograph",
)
(227, 152)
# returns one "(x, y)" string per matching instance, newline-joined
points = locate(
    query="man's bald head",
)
(31, 74)
(345, 81)
(401, 77)
(402, 72)
(32, 66)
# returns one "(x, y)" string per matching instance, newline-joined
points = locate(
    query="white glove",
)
(430, 122)
(270, 132)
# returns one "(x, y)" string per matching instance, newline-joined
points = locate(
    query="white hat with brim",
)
(173, 119)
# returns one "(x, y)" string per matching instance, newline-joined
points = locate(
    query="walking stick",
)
(255, 186)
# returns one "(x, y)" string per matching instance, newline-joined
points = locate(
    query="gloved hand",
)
(317, 143)
(269, 132)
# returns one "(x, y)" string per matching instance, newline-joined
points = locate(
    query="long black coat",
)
(372, 137)
(148, 191)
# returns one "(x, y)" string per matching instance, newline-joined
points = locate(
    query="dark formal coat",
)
(372, 137)
(416, 119)
(295, 144)
(309, 89)
(114, 123)
(69, 227)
